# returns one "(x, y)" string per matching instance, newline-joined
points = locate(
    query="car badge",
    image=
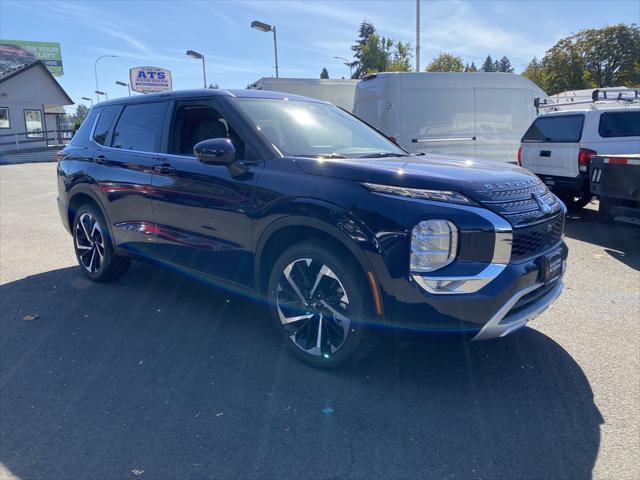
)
(544, 208)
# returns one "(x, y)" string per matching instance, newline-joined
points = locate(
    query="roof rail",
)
(598, 96)
(625, 94)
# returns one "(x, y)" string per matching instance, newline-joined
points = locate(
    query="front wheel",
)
(318, 303)
(93, 246)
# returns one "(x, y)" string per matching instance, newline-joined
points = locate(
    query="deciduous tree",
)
(446, 62)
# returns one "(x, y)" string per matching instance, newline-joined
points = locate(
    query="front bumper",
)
(510, 318)
(516, 296)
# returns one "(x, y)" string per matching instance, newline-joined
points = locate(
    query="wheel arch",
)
(290, 230)
(81, 195)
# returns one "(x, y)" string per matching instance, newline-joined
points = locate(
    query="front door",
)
(202, 213)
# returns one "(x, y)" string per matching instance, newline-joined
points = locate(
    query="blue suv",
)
(298, 202)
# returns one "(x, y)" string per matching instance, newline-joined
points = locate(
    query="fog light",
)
(434, 244)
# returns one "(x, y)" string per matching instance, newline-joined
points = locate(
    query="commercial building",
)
(31, 108)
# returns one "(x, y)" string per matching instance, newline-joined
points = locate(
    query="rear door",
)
(551, 145)
(122, 169)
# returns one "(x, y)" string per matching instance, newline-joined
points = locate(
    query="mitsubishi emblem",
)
(541, 203)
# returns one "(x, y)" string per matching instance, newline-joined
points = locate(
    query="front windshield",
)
(307, 129)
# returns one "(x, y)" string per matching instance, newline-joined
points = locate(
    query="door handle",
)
(545, 153)
(100, 159)
(164, 168)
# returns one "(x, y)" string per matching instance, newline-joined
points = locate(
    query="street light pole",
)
(275, 48)
(88, 99)
(95, 70)
(347, 63)
(417, 35)
(199, 56)
(265, 27)
(123, 84)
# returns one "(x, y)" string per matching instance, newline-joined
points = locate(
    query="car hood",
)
(477, 179)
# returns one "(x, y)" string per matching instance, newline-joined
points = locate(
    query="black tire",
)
(604, 209)
(94, 248)
(338, 308)
(577, 201)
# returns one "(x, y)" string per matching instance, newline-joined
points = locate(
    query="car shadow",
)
(619, 240)
(162, 374)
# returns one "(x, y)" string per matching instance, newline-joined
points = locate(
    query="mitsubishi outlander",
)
(297, 202)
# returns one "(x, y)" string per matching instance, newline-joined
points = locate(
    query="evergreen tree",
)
(488, 65)
(366, 31)
(504, 65)
(324, 73)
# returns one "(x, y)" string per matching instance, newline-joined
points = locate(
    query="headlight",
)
(438, 195)
(434, 244)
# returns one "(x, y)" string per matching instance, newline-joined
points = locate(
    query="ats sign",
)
(150, 79)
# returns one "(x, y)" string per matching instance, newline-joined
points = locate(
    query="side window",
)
(619, 124)
(81, 137)
(107, 115)
(194, 122)
(140, 127)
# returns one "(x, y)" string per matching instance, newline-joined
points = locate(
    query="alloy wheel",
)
(312, 305)
(89, 243)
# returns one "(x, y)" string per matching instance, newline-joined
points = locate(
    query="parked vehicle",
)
(301, 203)
(559, 145)
(340, 92)
(481, 115)
(615, 179)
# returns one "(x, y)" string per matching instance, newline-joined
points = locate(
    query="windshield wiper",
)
(319, 155)
(383, 155)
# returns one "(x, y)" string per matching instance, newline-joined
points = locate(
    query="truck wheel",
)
(319, 304)
(576, 202)
(94, 248)
(604, 211)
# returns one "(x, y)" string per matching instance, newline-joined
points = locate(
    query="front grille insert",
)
(533, 240)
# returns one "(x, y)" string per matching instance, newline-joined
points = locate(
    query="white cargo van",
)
(481, 115)
(340, 92)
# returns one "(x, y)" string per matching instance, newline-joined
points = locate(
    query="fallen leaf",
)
(31, 317)
(137, 473)
(219, 414)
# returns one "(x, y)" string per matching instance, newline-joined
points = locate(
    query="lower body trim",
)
(504, 322)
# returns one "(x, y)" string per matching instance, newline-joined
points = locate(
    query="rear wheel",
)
(93, 246)
(577, 201)
(319, 305)
(605, 215)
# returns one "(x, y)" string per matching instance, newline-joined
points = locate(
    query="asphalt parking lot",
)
(160, 376)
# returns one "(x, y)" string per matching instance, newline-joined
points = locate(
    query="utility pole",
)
(417, 35)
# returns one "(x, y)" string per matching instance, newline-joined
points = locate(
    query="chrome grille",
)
(520, 205)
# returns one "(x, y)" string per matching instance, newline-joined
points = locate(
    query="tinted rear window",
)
(81, 137)
(566, 128)
(140, 127)
(107, 115)
(620, 124)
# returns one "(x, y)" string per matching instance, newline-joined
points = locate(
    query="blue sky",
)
(310, 33)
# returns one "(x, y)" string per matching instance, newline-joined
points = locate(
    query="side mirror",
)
(215, 151)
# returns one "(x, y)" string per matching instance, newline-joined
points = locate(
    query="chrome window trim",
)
(471, 284)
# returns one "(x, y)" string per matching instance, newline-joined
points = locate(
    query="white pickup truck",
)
(559, 145)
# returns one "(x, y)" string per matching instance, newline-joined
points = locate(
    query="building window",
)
(33, 120)
(4, 118)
